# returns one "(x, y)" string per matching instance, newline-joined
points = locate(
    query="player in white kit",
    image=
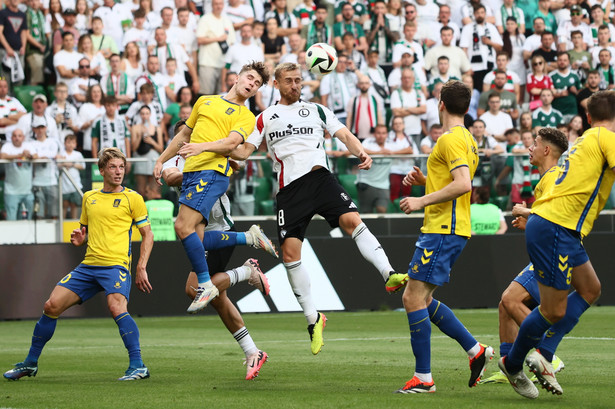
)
(294, 132)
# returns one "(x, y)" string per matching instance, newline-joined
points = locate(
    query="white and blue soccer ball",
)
(321, 58)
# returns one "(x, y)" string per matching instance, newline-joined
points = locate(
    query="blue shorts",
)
(87, 281)
(201, 190)
(527, 279)
(554, 251)
(434, 257)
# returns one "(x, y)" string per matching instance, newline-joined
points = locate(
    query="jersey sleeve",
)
(607, 145)
(139, 211)
(245, 124)
(256, 137)
(453, 151)
(330, 121)
(83, 220)
(191, 122)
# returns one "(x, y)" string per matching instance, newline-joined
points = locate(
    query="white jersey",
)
(295, 137)
(220, 215)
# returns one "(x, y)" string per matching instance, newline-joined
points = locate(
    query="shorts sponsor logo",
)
(352, 205)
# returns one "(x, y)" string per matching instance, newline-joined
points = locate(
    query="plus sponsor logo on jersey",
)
(290, 131)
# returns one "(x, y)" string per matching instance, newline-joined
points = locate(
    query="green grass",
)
(196, 363)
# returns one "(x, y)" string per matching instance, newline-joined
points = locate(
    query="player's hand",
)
(234, 165)
(190, 149)
(158, 172)
(517, 209)
(141, 281)
(519, 223)
(77, 237)
(415, 178)
(366, 161)
(410, 204)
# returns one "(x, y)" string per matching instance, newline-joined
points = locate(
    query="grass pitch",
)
(195, 362)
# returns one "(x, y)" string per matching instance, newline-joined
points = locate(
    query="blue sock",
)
(130, 335)
(449, 324)
(213, 240)
(552, 338)
(420, 339)
(505, 348)
(196, 253)
(531, 331)
(43, 331)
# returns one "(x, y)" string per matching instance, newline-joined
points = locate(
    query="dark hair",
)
(443, 57)
(138, 13)
(483, 193)
(260, 68)
(322, 7)
(456, 97)
(511, 131)
(478, 7)
(595, 6)
(601, 106)
(546, 33)
(70, 136)
(435, 126)
(88, 93)
(560, 53)
(67, 33)
(554, 137)
(145, 107)
(576, 32)
(147, 87)
(178, 125)
(446, 28)
(179, 93)
(499, 71)
(109, 99)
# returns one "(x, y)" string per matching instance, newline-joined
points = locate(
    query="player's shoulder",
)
(91, 193)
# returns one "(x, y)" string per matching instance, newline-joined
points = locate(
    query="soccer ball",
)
(321, 58)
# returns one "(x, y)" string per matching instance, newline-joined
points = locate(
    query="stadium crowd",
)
(82, 75)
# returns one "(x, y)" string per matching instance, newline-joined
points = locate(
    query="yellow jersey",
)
(546, 182)
(583, 183)
(109, 218)
(453, 149)
(214, 118)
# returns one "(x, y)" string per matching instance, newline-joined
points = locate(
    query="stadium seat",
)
(501, 202)
(348, 183)
(25, 94)
(266, 207)
(262, 190)
(267, 168)
(49, 90)
(394, 206)
(417, 191)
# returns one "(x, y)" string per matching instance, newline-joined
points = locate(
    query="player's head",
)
(178, 126)
(251, 77)
(288, 81)
(112, 165)
(550, 142)
(601, 107)
(455, 98)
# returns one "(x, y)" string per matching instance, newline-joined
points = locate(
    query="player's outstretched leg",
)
(254, 236)
(204, 294)
(542, 368)
(316, 333)
(420, 339)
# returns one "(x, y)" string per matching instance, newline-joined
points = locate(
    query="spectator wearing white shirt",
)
(138, 34)
(187, 33)
(71, 200)
(457, 57)
(496, 121)
(338, 87)
(239, 14)
(410, 104)
(66, 61)
(444, 20)
(165, 50)
(112, 15)
(158, 80)
(509, 9)
(64, 113)
(240, 54)
(408, 44)
(11, 111)
(533, 42)
(18, 179)
(118, 84)
(45, 181)
(575, 23)
(80, 85)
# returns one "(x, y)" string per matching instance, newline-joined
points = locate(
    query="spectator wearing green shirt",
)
(567, 86)
(486, 218)
(546, 115)
(349, 25)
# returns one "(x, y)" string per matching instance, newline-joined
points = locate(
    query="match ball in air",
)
(321, 58)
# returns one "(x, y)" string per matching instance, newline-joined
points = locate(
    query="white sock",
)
(299, 280)
(371, 250)
(249, 238)
(239, 274)
(472, 352)
(424, 377)
(242, 336)
(206, 284)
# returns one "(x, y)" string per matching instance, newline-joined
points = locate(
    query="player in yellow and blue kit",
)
(554, 231)
(446, 229)
(108, 215)
(216, 126)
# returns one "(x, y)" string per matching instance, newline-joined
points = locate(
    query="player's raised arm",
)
(354, 146)
(147, 243)
(222, 146)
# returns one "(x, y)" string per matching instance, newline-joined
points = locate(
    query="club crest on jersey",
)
(304, 112)
(230, 111)
(116, 202)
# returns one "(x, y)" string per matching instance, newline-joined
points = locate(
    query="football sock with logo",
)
(299, 280)
(43, 331)
(552, 338)
(238, 274)
(449, 324)
(243, 338)
(420, 339)
(196, 253)
(130, 335)
(371, 250)
(505, 348)
(213, 240)
(531, 331)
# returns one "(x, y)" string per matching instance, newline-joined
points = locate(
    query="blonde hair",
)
(285, 67)
(110, 153)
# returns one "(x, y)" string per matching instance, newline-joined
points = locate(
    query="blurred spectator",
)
(53, 18)
(360, 14)
(18, 178)
(444, 73)
(381, 38)
(111, 16)
(80, 84)
(65, 115)
(152, 18)
(186, 30)
(156, 79)
(13, 38)
(472, 110)
(481, 41)
(537, 80)
(310, 84)
(39, 105)
(137, 35)
(428, 142)
(287, 23)
(45, 181)
(546, 115)
(468, 13)
(487, 147)
(273, 44)
(533, 42)
(567, 85)
(508, 100)
(102, 42)
(457, 57)
(544, 12)
(581, 60)
(239, 13)
(258, 32)
(70, 19)
(597, 14)
(84, 16)
(111, 130)
(177, 80)
(71, 199)
(408, 43)
(513, 47)
(512, 79)
(146, 142)
(337, 88)
(395, 15)
(407, 61)
(171, 31)
(346, 23)
(525, 122)
(591, 86)
(90, 112)
(377, 76)
(37, 42)
(304, 13)
(131, 63)
(365, 111)
(496, 121)
(165, 50)
(524, 175)
(98, 63)
(410, 104)
(268, 94)
(400, 143)
(171, 115)
(118, 84)
(423, 33)
(373, 184)
(574, 24)
(432, 113)
(350, 49)
(507, 11)
(215, 34)
(66, 61)
(427, 12)
(318, 31)
(146, 97)
(605, 69)
(444, 20)
(546, 51)
(529, 8)
(604, 43)
(486, 218)
(295, 45)
(11, 111)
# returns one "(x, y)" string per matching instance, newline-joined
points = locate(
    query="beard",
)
(480, 20)
(291, 97)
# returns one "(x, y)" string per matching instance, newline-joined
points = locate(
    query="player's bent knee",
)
(52, 308)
